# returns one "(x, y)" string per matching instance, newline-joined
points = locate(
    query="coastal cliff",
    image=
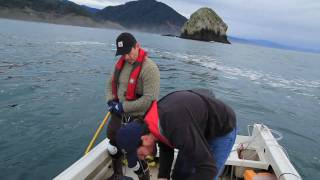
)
(142, 15)
(52, 11)
(145, 15)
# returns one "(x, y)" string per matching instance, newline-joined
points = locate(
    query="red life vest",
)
(133, 79)
(152, 121)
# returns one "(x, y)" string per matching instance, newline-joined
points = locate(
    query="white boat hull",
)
(262, 152)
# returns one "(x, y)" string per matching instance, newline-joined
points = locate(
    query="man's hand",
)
(111, 105)
(115, 107)
(118, 108)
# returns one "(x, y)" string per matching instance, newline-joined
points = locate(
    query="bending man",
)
(200, 126)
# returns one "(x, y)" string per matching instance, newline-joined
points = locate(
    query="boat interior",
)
(256, 156)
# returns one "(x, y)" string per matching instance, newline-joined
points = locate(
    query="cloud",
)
(99, 4)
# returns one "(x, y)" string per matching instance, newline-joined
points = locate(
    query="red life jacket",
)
(133, 79)
(152, 121)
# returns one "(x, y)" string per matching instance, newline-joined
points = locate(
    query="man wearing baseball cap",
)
(200, 126)
(131, 89)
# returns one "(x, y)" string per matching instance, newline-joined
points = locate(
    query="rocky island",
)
(205, 25)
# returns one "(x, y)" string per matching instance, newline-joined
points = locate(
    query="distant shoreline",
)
(28, 14)
(54, 18)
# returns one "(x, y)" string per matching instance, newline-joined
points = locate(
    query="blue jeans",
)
(220, 149)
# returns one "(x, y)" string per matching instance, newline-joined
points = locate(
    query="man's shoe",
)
(145, 176)
(117, 169)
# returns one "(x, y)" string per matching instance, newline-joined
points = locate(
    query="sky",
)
(289, 22)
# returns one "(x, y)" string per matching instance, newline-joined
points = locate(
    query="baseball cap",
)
(125, 41)
(129, 139)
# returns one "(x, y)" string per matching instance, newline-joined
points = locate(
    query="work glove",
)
(111, 105)
(115, 107)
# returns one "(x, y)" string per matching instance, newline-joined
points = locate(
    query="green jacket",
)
(148, 86)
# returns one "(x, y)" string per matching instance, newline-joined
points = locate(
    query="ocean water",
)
(52, 91)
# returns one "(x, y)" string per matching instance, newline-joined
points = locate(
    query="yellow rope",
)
(97, 133)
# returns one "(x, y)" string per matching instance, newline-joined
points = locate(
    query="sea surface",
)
(53, 83)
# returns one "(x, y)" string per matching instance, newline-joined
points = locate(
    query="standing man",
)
(200, 126)
(131, 90)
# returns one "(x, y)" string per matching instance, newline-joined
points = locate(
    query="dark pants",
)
(114, 125)
(220, 148)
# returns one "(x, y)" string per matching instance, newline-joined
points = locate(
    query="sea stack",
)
(205, 25)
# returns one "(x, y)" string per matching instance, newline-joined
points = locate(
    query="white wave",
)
(2, 121)
(253, 75)
(81, 43)
(298, 85)
(271, 79)
(231, 77)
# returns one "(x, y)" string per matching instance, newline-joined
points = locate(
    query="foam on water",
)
(299, 86)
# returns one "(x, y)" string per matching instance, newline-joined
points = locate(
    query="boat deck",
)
(130, 173)
(260, 152)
